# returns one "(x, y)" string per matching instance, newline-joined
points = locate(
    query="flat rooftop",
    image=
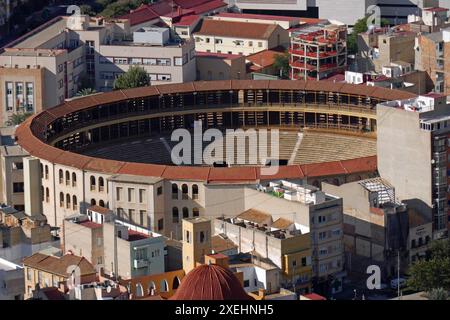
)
(6, 265)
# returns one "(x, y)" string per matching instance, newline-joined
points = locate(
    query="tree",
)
(85, 92)
(282, 64)
(134, 77)
(359, 27)
(438, 294)
(17, 118)
(426, 275)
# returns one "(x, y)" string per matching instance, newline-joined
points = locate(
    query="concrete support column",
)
(32, 186)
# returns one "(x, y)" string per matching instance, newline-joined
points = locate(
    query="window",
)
(260, 44)
(207, 40)
(322, 219)
(18, 166)
(99, 260)
(18, 187)
(9, 96)
(246, 283)
(250, 43)
(141, 195)
(131, 215)
(304, 262)
(174, 191)
(141, 254)
(136, 61)
(47, 195)
(29, 274)
(67, 201)
(188, 236)
(159, 191)
(67, 178)
(142, 214)
(101, 184)
(120, 60)
(74, 179)
(46, 172)
(118, 193)
(101, 203)
(30, 96)
(60, 84)
(195, 212)
(218, 41)
(322, 235)
(175, 215)
(239, 42)
(74, 203)
(194, 191)
(160, 224)
(185, 213)
(60, 68)
(202, 236)
(184, 191)
(130, 194)
(178, 61)
(61, 178)
(61, 200)
(93, 183)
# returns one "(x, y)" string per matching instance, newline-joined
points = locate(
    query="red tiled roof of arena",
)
(30, 134)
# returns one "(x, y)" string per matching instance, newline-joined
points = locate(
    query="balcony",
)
(140, 263)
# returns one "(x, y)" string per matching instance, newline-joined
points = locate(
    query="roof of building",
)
(265, 58)
(89, 224)
(221, 244)
(254, 216)
(30, 133)
(257, 16)
(417, 218)
(59, 266)
(187, 20)
(99, 209)
(136, 235)
(435, 9)
(282, 223)
(234, 29)
(148, 12)
(52, 293)
(314, 296)
(210, 282)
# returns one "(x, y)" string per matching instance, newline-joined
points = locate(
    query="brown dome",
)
(210, 282)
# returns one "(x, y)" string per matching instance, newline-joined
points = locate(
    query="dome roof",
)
(210, 282)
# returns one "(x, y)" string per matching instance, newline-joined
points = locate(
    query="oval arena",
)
(91, 149)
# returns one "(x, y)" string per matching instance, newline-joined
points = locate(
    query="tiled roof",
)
(90, 224)
(232, 29)
(187, 20)
(282, 223)
(99, 209)
(59, 266)
(265, 58)
(30, 134)
(257, 16)
(219, 244)
(255, 216)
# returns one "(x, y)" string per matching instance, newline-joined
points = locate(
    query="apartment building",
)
(11, 170)
(114, 246)
(420, 233)
(419, 177)
(283, 243)
(12, 280)
(378, 47)
(43, 271)
(376, 225)
(22, 235)
(285, 22)
(431, 52)
(131, 251)
(220, 66)
(67, 52)
(317, 52)
(241, 38)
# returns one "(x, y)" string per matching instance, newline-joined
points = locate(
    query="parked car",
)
(398, 281)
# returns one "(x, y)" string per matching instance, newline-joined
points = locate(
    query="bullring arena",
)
(87, 146)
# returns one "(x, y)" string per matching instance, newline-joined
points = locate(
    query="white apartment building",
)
(47, 66)
(241, 38)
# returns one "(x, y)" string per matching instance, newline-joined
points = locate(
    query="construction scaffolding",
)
(318, 52)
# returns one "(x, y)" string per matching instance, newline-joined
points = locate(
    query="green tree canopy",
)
(434, 273)
(17, 118)
(359, 27)
(134, 77)
(282, 64)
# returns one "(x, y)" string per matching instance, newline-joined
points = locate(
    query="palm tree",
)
(85, 92)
